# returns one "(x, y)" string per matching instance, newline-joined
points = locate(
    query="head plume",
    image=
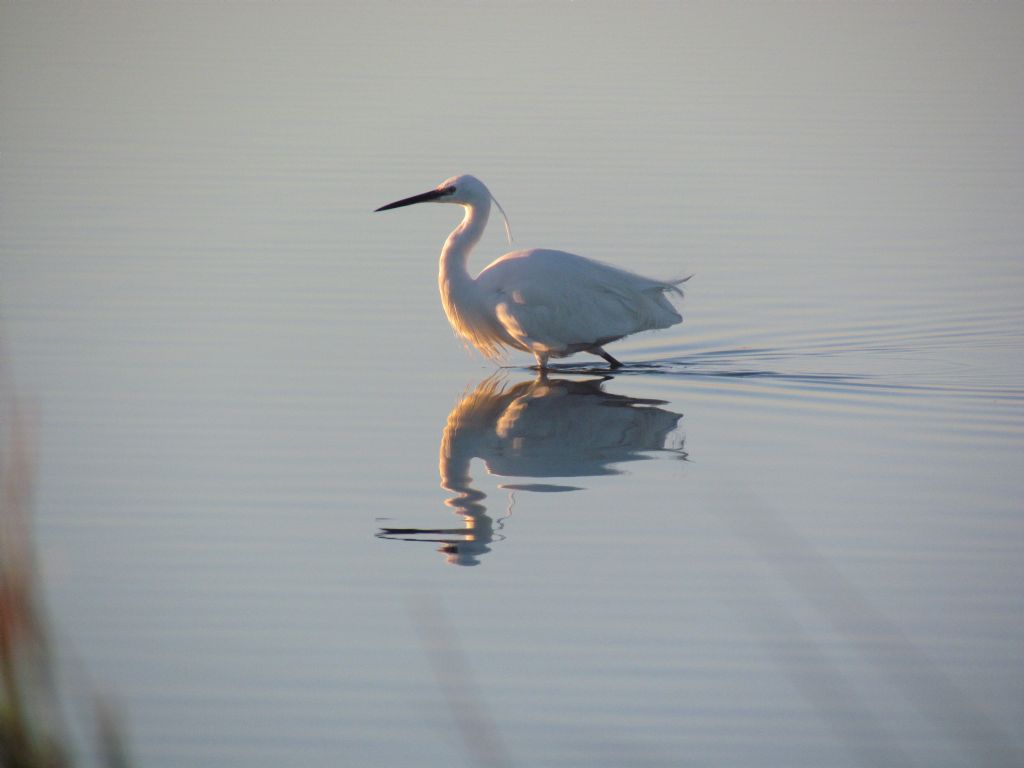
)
(504, 216)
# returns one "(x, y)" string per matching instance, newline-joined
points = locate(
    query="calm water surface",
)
(285, 519)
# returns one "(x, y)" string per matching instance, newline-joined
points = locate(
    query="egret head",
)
(461, 190)
(465, 190)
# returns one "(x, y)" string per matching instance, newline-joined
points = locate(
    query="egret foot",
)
(612, 362)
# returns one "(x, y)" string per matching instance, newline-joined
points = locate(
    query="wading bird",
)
(549, 303)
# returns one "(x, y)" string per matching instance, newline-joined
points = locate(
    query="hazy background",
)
(240, 374)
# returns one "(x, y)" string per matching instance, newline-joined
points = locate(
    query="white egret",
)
(549, 303)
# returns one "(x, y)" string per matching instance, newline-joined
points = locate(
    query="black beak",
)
(426, 197)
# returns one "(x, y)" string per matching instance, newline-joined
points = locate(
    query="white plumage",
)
(549, 303)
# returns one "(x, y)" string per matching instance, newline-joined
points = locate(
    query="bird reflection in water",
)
(545, 428)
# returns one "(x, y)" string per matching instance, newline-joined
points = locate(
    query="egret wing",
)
(561, 302)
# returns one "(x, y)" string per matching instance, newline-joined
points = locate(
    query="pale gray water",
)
(790, 535)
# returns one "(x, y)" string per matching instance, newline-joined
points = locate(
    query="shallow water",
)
(787, 533)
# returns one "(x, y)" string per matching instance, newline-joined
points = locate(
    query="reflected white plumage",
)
(549, 303)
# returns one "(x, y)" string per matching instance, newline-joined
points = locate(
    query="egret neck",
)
(459, 291)
(453, 277)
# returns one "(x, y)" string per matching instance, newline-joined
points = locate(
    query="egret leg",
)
(542, 360)
(612, 362)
